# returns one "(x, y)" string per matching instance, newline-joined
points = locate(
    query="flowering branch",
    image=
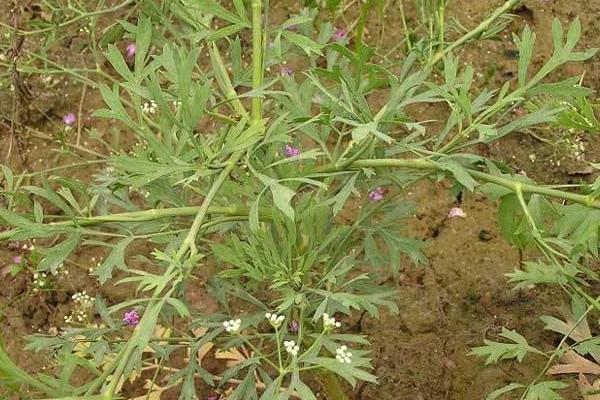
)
(141, 216)
(508, 183)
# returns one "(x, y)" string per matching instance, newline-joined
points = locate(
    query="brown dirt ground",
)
(446, 308)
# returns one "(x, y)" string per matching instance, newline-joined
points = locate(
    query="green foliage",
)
(496, 351)
(292, 230)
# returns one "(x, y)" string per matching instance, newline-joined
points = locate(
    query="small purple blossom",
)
(131, 318)
(69, 119)
(290, 151)
(17, 259)
(456, 212)
(213, 397)
(339, 35)
(294, 326)
(130, 50)
(376, 194)
(284, 70)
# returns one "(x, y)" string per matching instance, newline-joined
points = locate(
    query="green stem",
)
(139, 216)
(441, 24)
(82, 15)
(482, 27)
(203, 210)
(257, 58)
(278, 349)
(498, 180)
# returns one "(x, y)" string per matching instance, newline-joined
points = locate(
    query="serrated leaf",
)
(545, 391)
(116, 258)
(308, 45)
(496, 351)
(212, 7)
(56, 255)
(534, 273)
(116, 59)
(499, 392)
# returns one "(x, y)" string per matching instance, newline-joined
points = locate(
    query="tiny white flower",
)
(343, 355)
(291, 347)
(274, 319)
(330, 322)
(233, 325)
(149, 107)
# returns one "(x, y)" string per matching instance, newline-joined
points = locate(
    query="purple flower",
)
(456, 212)
(69, 119)
(130, 50)
(294, 326)
(131, 318)
(339, 35)
(376, 194)
(213, 397)
(290, 151)
(17, 259)
(284, 70)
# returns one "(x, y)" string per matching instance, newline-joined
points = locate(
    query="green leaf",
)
(115, 58)
(348, 372)
(246, 390)
(59, 253)
(103, 312)
(212, 7)
(546, 391)
(296, 20)
(226, 31)
(525, 46)
(459, 172)
(116, 258)
(339, 200)
(499, 392)
(282, 197)
(179, 306)
(308, 45)
(301, 388)
(537, 273)
(496, 351)
(49, 194)
(143, 39)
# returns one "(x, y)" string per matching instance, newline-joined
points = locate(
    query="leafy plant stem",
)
(278, 349)
(257, 58)
(557, 351)
(479, 29)
(498, 180)
(139, 216)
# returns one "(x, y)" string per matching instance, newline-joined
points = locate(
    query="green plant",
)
(247, 165)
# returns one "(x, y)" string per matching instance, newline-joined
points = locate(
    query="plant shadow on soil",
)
(447, 306)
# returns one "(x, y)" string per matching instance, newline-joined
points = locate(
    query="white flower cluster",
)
(330, 322)
(60, 270)
(233, 325)
(149, 108)
(28, 247)
(39, 281)
(343, 355)
(291, 347)
(83, 302)
(274, 319)
(177, 104)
